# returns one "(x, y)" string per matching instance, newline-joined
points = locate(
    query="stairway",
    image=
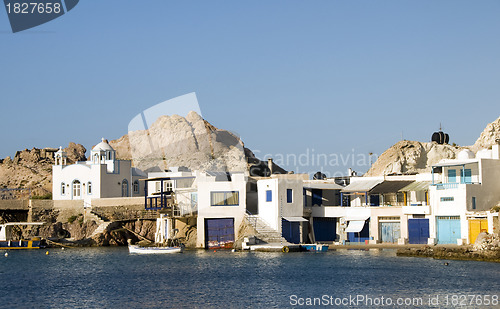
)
(100, 229)
(103, 225)
(264, 231)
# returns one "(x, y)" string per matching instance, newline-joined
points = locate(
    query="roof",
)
(322, 185)
(390, 186)
(138, 172)
(455, 162)
(167, 178)
(103, 146)
(417, 186)
(362, 185)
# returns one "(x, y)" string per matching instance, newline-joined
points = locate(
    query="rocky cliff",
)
(33, 168)
(187, 141)
(410, 157)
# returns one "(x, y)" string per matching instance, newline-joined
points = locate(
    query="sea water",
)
(113, 278)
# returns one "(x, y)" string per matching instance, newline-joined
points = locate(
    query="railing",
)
(155, 203)
(445, 186)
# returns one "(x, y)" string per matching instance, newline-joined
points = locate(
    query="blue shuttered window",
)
(269, 196)
(289, 195)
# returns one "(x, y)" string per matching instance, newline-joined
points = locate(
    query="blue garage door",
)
(291, 231)
(325, 229)
(219, 233)
(448, 229)
(418, 231)
(361, 236)
(390, 231)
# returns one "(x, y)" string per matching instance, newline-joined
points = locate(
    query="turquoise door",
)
(448, 229)
(390, 231)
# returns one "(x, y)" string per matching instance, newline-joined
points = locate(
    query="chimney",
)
(270, 165)
(496, 149)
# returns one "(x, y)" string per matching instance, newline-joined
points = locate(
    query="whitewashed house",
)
(102, 176)
(463, 191)
(281, 205)
(222, 202)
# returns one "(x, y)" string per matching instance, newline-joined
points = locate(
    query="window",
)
(317, 197)
(89, 188)
(76, 188)
(168, 186)
(447, 199)
(136, 186)
(225, 198)
(194, 199)
(473, 202)
(63, 188)
(452, 176)
(466, 175)
(289, 195)
(269, 195)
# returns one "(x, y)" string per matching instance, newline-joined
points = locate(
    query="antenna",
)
(440, 127)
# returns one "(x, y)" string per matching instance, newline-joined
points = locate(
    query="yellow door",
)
(477, 226)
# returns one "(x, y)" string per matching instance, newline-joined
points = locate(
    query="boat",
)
(7, 243)
(154, 250)
(314, 247)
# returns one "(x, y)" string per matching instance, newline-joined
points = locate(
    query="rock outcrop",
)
(33, 168)
(410, 157)
(187, 141)
(488, 137)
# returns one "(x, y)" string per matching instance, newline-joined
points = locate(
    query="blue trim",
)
(269, 195)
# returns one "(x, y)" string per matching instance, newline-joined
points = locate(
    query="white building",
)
(462, 193)
(222, 202)
(281, 205)
(102, 176)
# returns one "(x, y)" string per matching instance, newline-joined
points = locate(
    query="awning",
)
(417, 186)
(322, 185)
(355, 226)
(361, 185)
(390, 186)
(295, 219)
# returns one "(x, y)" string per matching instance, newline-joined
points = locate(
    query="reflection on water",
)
(110, 277)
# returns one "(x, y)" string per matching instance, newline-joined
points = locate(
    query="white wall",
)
(272, 212)
(207, 184)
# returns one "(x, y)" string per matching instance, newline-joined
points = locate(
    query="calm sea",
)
(112, 278)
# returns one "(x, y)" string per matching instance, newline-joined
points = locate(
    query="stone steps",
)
(100, 229)
(264, 231)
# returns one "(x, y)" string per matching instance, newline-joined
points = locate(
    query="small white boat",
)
(154, 250)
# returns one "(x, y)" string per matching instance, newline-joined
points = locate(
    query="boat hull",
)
(20, 244)
(153, 250)
(314, 247)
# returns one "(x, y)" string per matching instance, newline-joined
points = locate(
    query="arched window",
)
(136, 186)
(76, 188)
(63, 188)
(89, 188)
(124, 188)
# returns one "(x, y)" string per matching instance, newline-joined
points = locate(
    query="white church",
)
(102, 176)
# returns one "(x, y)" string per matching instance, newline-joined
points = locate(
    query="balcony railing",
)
(445, 186)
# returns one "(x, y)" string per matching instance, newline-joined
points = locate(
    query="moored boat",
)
(314, 247)
(7, 243)
(154, 250)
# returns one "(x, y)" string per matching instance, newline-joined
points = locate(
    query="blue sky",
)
(339, 77)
